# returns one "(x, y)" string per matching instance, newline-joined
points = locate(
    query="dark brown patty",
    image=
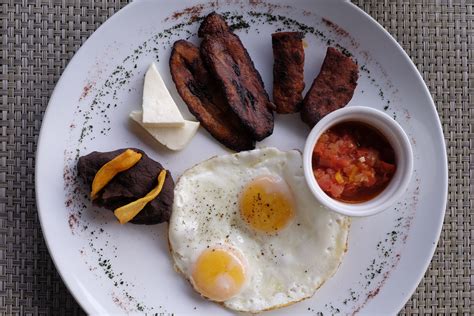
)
(230, 64)
(130, 185)
(332, 89)
(205, 99)
(288, 71)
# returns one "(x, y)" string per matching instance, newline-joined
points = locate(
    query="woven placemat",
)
(40, 37)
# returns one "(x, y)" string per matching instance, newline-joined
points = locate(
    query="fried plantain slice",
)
(205, 98)
(229, 62)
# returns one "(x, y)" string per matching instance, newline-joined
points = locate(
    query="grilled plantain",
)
(205, 98)
(230, 64)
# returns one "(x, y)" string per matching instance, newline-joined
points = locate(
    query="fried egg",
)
(246, 231)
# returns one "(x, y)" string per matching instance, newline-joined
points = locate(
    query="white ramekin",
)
(397, 139)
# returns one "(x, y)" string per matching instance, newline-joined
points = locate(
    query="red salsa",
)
(353, 162)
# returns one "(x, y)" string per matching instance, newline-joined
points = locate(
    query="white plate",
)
(113, 269)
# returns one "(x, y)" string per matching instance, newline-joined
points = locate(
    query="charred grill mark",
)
(230, 64)
(252, 100)
(239, 90)
(236, 69)
(332, 89)
(198, 91)
(205, 99)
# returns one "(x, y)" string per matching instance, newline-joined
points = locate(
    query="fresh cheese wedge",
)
(175, 138)
(159, 109)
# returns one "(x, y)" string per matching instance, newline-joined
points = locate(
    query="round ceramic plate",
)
(110, 268)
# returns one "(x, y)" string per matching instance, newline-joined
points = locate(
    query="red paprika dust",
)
(353, 162)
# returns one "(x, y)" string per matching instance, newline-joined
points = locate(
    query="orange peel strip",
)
(122, 162)
(127, 212)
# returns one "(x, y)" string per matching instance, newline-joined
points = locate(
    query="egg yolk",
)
(266, 204)
(218, 274)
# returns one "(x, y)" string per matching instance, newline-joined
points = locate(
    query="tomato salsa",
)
(353, 162)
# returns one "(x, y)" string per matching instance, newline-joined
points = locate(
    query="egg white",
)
(281, 268)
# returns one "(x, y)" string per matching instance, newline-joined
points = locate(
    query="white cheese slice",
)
(175, 138)
(159, 109)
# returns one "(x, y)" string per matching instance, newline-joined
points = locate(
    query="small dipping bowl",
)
(394, 134)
